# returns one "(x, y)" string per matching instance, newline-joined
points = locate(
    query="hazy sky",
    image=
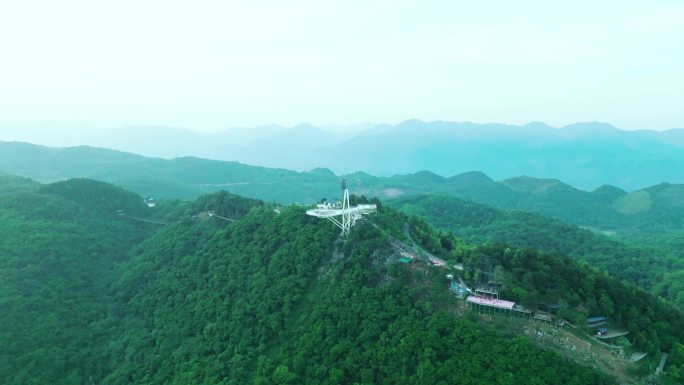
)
(208, 65)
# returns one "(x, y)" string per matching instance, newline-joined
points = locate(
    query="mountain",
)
(11, 183)
(163, 142)
(177, 178)
(59, 250)
(645, 264)
(254, 145)
(271, 297)
(277, 297)
(586, 155)
(654, 210)
(284, 305)
(290, 148)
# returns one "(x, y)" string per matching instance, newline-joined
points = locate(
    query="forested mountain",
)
(672, 246)
(652, 266)
(59, 246)
(12, 183)
(656, 210)
(273, 297)
(586, 155)
(185, 178)
(274, 300)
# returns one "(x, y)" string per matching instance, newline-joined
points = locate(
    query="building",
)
(494, 303)
(458, 288)
(596, 321)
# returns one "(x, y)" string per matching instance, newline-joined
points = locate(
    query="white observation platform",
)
(343, 215)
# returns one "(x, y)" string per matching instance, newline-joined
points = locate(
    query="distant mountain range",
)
(586, 155)
(654, 210)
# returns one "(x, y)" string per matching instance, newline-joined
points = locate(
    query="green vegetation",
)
(646, 266)
(11, 183)
(540, 279)
(670, 247)
(552, 280)
(264, 300)
(651, 211)
(273, 297)
(89, 296)
(57, 255)
(536, 279)
(180, 178)
(633, 203)
(675, 368)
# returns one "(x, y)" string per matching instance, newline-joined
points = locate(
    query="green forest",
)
(92, 294)
(653, 263)
(650, 211)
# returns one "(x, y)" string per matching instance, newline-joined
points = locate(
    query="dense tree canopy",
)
(57, 256)
(651, 263)
(270, 297)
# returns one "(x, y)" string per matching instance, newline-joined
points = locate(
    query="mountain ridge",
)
(584, 154)
(654, 209)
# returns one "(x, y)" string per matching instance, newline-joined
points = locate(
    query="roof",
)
(592, 320)
(497, 303)
(603, 330)
(457, 286)
(437, 262)
(521, 309)
(637, 356)
(543, 317)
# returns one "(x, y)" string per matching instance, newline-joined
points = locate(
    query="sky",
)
(88, 65)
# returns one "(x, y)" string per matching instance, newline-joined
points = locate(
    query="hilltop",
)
(59, 249)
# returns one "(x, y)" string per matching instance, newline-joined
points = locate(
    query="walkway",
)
(142, 220)
(662, 364)
(613, 334)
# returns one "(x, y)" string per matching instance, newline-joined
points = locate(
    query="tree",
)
(283, 376)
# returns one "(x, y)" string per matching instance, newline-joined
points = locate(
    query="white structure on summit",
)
(347, 214)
